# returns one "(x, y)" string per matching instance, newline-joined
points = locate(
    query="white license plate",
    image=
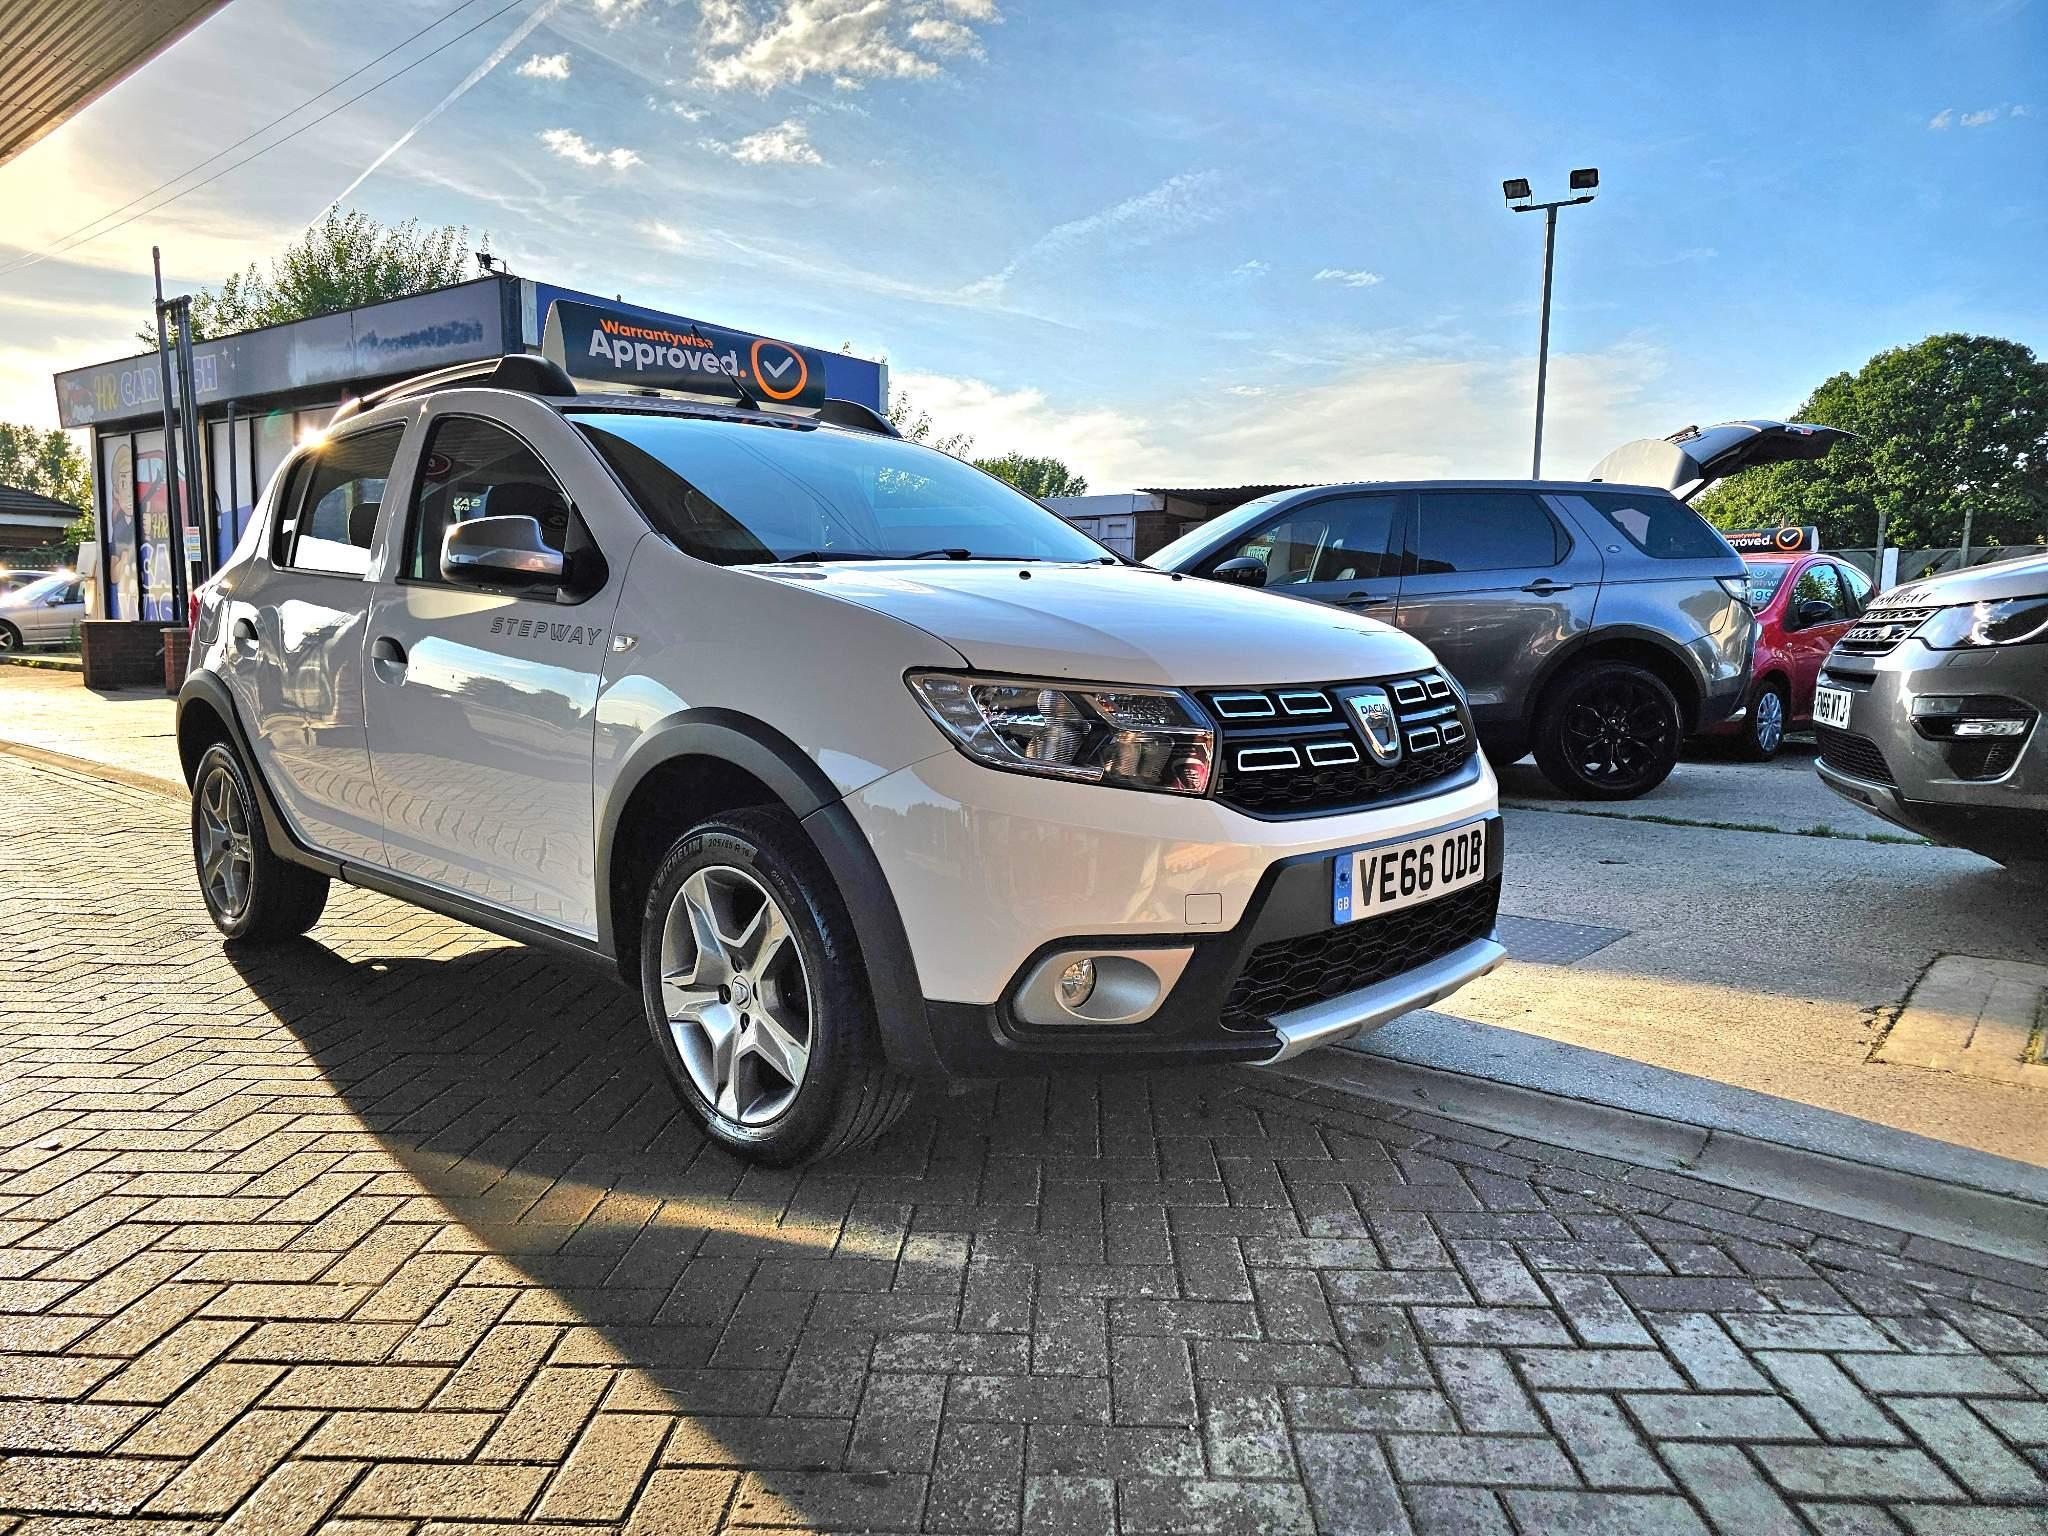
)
(1831, 707)
(1367, 882)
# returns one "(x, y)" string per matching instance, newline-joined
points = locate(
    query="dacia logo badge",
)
(1374, 711)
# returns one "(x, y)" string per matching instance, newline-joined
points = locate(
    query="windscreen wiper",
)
(815, 555)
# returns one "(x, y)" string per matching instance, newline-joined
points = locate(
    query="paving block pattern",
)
(399, 1229)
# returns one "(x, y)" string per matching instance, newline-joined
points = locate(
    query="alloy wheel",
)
(1770, 720)
(736, 995)
(1618, 732)
(227, 852)
(6, 638)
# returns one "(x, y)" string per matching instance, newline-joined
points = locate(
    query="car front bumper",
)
(1884, 761)
(995, 874)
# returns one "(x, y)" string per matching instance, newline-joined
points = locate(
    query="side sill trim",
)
(479, 915)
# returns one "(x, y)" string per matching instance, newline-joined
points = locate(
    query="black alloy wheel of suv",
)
(1608, 730)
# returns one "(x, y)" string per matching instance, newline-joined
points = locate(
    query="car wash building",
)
(259, 392)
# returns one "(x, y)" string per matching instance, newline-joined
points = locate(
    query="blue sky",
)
(1178, 242)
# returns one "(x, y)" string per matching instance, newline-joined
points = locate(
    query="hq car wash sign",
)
(623, 350)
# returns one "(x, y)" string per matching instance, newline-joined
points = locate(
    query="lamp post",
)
(1519, 199)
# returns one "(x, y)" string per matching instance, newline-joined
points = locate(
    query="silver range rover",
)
(1929, 710)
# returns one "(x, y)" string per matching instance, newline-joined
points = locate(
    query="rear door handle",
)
(245, 634)
(1363, 600)
(388, 657)
(1546, 586)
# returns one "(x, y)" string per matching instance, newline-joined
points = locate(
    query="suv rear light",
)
(1736, 587)
(192, 610)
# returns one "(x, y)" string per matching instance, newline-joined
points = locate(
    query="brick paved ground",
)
(398, 1229)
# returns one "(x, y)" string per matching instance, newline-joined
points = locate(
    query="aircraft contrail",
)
(497, 57)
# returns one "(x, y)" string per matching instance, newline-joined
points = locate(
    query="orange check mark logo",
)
(779, 369)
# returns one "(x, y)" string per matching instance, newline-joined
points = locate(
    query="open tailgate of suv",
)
(1687, 462)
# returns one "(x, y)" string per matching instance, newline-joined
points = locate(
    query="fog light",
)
(1077, 983)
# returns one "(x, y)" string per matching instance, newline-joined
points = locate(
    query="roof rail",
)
(526, 373)
(836, 412)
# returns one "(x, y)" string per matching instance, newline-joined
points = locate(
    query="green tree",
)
(918, 427)
(1037, 475)
(1949, 432)
(345, 260)
(48, 462)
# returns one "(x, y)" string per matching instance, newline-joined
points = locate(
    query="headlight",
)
(1138, 738)
(2006, 621)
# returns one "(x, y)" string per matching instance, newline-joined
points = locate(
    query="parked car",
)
(1804, 603)
(859, 764)
(1929, 710)
(42, 612)
(1594, 622)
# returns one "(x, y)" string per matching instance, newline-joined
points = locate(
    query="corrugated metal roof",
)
(57, 55)
(1219, 495)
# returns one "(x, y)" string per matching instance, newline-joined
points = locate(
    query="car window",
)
(1486, 531)
(473, 468)
(337, 514)
(1856, 590)
(1341, 538)
(39, 589)
(1818, 583)
(1661, 526)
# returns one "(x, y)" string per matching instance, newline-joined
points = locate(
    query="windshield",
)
(1198, 539)
(740, 493)
(1765, 577)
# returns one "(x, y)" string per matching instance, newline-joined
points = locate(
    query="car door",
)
(1337, 549)
(296, 626)
(1494, 583)
(481, 702)
(1809, 639)
(47, 620)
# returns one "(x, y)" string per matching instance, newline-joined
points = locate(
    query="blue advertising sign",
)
(606, 346)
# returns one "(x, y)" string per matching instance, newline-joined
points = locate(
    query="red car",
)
(1803, 603)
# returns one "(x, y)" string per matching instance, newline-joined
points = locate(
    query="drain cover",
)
(1540, 941)
(1982, 1017)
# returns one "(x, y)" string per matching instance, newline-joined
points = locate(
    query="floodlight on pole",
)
(1584, 182)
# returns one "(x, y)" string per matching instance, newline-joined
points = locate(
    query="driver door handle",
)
(1544, 586)
(1363, 600)
(388, 657)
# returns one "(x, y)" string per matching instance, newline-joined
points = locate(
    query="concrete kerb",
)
(2006, 1225)
(2003, 1224)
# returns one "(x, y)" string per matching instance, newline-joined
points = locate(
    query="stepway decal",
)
(615, 347)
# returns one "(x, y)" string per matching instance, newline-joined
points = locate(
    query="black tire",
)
(1607, 730)
(846, 1093)
(10, 637)
(1764, 727)
(273, 899)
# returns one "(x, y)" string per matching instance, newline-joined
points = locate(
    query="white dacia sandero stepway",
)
(862, 766)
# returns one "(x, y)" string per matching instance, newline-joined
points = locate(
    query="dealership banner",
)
(626, 350)
(1787, 540)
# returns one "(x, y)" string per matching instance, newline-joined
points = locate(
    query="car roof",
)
(1471, 485)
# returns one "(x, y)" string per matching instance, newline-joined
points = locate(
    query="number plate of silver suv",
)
(1366, 882)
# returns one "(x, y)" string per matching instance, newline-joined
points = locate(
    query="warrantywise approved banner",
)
(622, 349)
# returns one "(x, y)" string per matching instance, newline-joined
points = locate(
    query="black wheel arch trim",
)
(205, 688)
(795, 779)
(1574, 650)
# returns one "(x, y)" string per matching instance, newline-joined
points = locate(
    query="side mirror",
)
(499, 552)
(1815, 611)
(1244, 571)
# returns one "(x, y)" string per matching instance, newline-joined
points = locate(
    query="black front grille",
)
(1299, 751)
(1292, 973)
(1852, 754)
(1879, 631)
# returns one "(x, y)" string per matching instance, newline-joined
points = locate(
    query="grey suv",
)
(1596, 623)
(1929, 710)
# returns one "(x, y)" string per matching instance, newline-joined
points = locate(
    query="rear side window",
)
(1342, 538)
(1486, 531)
(333, 521)
(1662, 527)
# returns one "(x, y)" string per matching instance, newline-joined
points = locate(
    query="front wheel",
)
(10, 638)
(756, 996)
(250, 893)
(1608, 730)
(1763, 729)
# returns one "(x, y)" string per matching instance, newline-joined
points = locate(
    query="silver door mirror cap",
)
(499, 552)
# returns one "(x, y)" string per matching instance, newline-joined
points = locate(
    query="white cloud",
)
(1951, 117)
(844, 41)
(682, 109)
(1177, 204)
(1349, 277)
(1252, 268)
(787, 143)
(545, 66)
(1105, 445)
(574, 147)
